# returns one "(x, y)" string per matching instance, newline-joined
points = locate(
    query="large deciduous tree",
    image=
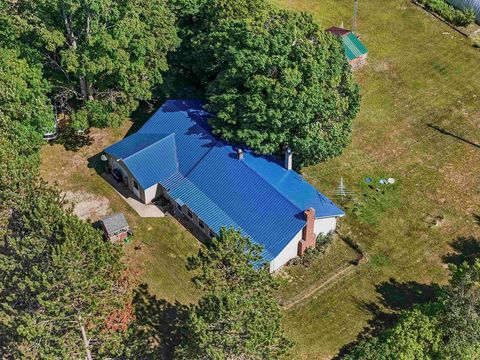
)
(273, 78)
(237, 317)
(448, 328)
(101, 56)
(23, 92)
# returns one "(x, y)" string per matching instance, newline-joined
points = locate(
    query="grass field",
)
(420, 73)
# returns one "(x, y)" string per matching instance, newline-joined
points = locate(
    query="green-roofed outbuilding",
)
(355, 51)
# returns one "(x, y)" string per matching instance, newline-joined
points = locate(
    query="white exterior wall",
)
(325, 225)
(289, 252)
(150, 194)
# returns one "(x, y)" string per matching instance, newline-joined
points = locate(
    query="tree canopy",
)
(101, 56)
(237, 313)
(272, 78)
(23, 92)
(448, 328)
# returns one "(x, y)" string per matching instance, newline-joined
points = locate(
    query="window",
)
(201, 224)
(190, 215)
(212, 235)
(179, 207)
(135, 184)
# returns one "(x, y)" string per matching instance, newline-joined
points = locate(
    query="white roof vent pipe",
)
(239, 154)
(288, 159)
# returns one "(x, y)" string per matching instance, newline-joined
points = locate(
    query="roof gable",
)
(155, 163)
(188, 121)
(114, 223)
(133, 144)
(352, 45)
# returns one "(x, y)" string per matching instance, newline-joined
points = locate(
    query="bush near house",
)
(322, 244)
(450, 13)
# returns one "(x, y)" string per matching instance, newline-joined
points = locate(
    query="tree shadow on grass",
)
(466, 249)
(394, 297)
(73, 140)
(157, 329)
(476, 217)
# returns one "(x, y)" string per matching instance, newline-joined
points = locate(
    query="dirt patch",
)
(382, 66)
(88, 206)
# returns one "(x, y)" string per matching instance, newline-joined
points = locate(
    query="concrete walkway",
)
(144, 210)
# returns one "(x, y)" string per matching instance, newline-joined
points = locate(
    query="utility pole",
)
(355, 16)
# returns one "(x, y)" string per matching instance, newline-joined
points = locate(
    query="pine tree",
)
(59, 278)
(237, 317)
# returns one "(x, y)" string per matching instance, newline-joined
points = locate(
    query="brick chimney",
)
(308, 236)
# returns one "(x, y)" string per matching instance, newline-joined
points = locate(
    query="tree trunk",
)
(84, 89)
(84, 338)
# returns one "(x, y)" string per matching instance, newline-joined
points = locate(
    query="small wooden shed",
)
(355, 50)
(115, 227)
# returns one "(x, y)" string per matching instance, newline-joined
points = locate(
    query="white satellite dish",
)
(391, 180)
(103, 157)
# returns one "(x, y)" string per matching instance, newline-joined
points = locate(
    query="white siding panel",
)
(325, 225)
(289, 252)
(150, 194)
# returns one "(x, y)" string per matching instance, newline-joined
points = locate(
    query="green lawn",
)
(420, 72)
(158, 254)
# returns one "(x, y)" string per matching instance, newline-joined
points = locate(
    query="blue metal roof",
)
(256, 194)
(236, 190)
(292, 185)
(133, 144)
(188, 121)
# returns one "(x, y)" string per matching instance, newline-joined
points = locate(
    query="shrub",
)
(448, 12)
(321, 245)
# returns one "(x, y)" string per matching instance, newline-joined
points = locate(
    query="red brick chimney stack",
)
(308, 236)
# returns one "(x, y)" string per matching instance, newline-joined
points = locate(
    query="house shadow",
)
(158, 324)
(141, 115)
(393, 298)
(95, 162)
(466, 249)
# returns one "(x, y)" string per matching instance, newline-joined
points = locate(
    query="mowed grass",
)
(158, 254)
(420, 73)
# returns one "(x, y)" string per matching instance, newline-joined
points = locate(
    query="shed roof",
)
(338, 31)
(114, 223)
(352, 45)
(256, 194)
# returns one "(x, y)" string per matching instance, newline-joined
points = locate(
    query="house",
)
(355, 51)
(115, 227)
(175, 156)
